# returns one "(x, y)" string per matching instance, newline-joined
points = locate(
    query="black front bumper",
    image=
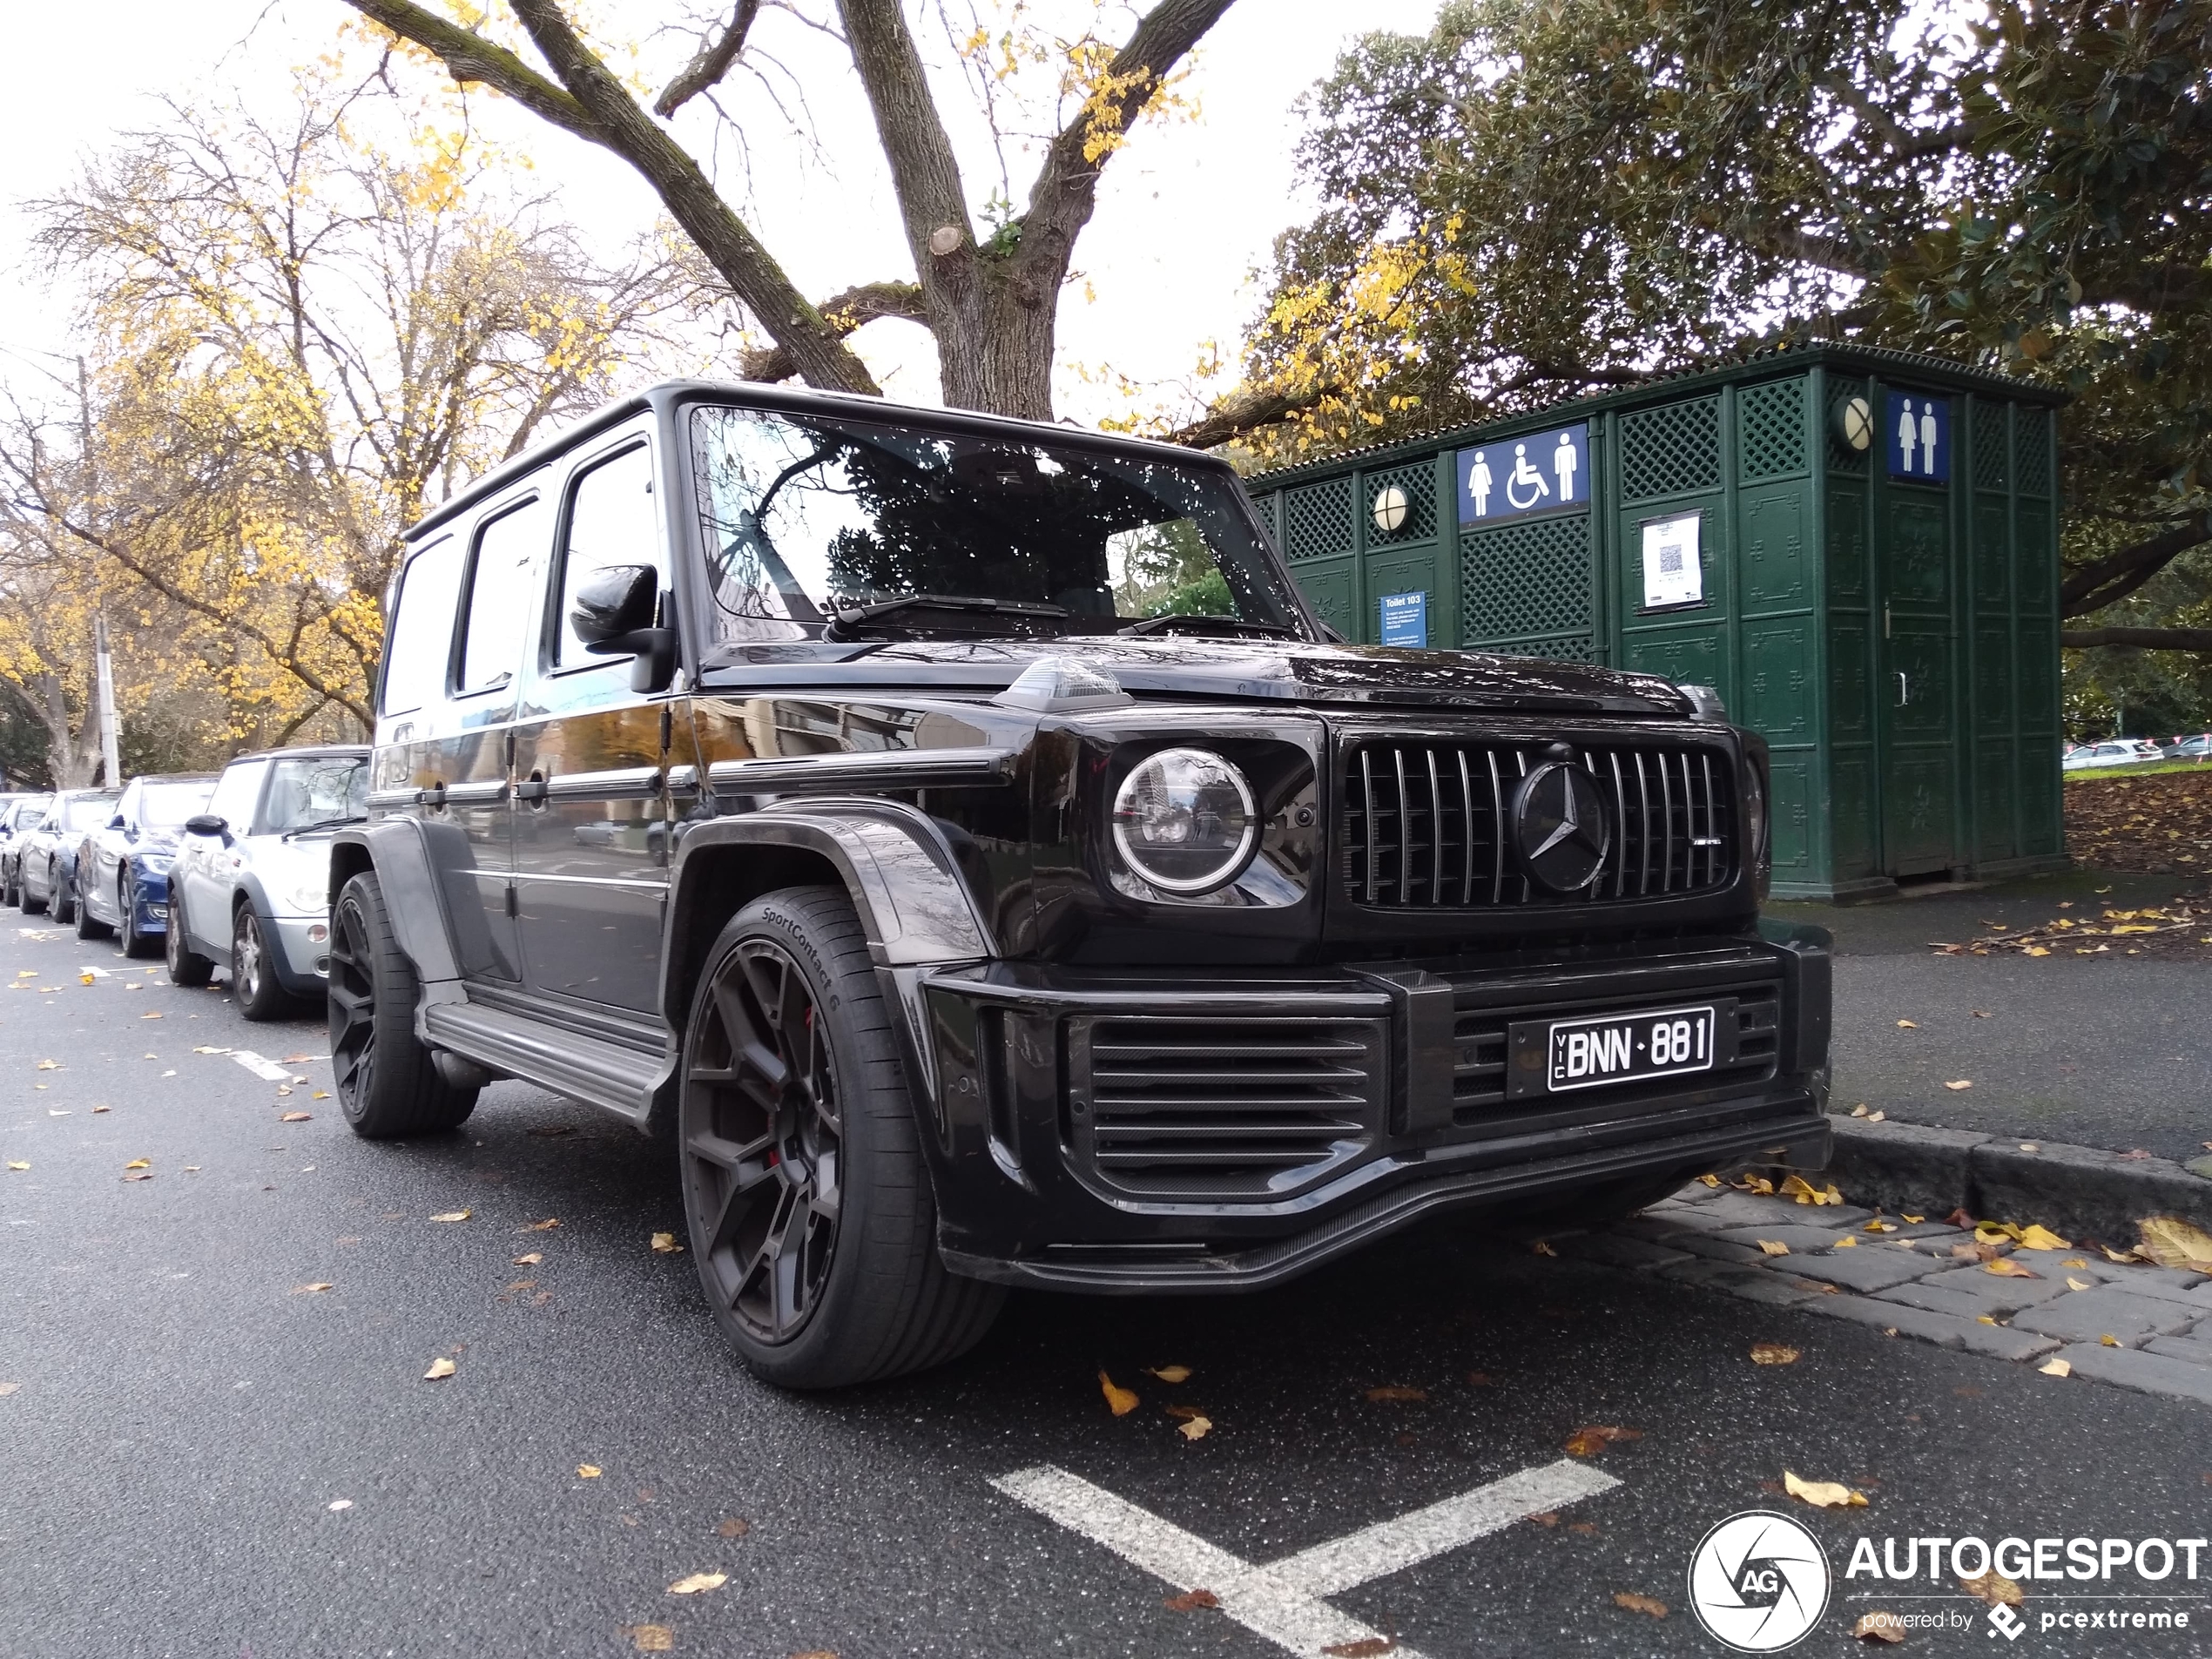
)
(1131, 1131)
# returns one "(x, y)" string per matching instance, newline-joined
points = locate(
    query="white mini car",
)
(250, 881)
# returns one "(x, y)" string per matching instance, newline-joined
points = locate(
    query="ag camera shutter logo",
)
(1758, 1583)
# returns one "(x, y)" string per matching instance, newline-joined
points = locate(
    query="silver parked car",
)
(250, 885)
(17, 819)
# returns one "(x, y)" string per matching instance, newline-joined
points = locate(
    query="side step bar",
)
(619, 1076)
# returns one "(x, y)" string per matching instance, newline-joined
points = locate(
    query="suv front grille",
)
(1425, 825)
(1251, 1108)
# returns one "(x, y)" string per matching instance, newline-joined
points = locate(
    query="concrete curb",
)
(2073, 1190)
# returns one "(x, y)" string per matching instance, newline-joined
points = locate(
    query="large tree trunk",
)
(72, 756)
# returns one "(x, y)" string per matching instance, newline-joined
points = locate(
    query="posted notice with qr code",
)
(1673, 573)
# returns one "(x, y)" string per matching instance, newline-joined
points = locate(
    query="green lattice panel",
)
(1520, 581)
(1771, 429)
(1993, 446)
(1993, 678)
(1318, 519)
(2036, 582)
(1670, 449)
(1851, 819)
(1851, 701)
(1993, 836)
(1577, 648)
(1419, 483)
(1992, 552)
(2032, 451)
(1789, 788)
(1777, 692)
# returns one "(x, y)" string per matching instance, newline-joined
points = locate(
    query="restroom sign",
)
(1543, 472)
(1917, 432)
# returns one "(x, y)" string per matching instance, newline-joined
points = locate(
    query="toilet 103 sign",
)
(1541, 472)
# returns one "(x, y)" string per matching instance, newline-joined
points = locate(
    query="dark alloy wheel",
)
(88, 925)
(807, 1198)
(187, 966)
(29, 905)
(386, 1084)
(255, 986)
(134, 942)
(61, 899)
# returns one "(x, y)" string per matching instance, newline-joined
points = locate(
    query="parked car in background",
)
(17, 819)
(46, 860)
(251, 885)
(123, 867)
(2114, 751)
(2196, 748)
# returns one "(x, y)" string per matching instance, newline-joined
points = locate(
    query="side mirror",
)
(619, 600)
(117, 822)
(206, 824)
(613, 616)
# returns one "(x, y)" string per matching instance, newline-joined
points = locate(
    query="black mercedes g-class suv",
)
(959, 835)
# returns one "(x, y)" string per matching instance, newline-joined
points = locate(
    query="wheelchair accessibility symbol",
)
(1546, 472)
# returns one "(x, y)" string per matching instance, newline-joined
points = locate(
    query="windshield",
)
(315, 789)
(87, 812)
(807, 519)
(165, 807)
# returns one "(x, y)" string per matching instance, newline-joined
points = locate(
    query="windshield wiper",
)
(1176, 621)
(845, 619)
(324, 824)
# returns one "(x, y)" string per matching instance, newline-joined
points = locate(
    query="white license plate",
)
(1622, 1047)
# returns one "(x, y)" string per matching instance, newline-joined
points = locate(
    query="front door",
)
(1918, 689)
(590, 829)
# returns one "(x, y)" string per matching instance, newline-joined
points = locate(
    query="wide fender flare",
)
(413, 862)
(915, 907)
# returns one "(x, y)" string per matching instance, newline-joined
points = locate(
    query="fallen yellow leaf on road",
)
(1879, 1627)
(50, 1065)
(2040, 1238)
(544, 1226)
(1542, 1247)
(1774, 1247)
(1170, 1373)
(1993, 1586)
(1366, 1647)
(1637, 1603)
(151, 1014)
(1914, 1221)
(587, 1471)
(1715, 1181)
(2006, 1267)
(1877, 1225)
(2073, 1284)
(1846, 1242)
(1963, 1082)
(86, 978)
(1588, 1442)
(1191, 1601)
(102, 1108)
(694, 1583)
(1120, 1401)
(530, 1260)
(1774, 1353)
(296, 1117)
(1907, 1025)
(2056, 1368)
(139, 1163)
(1193, 1428)
(316, 1289)
(666, 1244)
(320, 1093)
(454, 1215)
(2111, 1341)
(439, 1369)
(1390, 1392)
(1824, 1495)
(17, 1164)
(1757, 1185)
(2171, 1242)
(651, 1638)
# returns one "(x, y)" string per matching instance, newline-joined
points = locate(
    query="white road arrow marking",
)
(1283, 1599)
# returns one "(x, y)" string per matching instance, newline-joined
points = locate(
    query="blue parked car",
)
(123, 869)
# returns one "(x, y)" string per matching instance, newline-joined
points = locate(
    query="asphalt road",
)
(2109, 1051)
(179, 1421)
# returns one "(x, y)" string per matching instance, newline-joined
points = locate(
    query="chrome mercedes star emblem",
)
(1559, 827)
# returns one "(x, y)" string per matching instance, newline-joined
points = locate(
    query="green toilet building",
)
(1857, 548)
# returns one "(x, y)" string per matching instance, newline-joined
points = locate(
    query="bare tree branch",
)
(2117, 574)
(855, 308)
(469, 57)
(2138, 638)
(710, 63)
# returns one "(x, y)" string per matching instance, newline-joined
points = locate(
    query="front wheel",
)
(134, 942)
(811, 1218)
(255, 986)
(31, 907)
(63, 901)
(187, 966)
(387, 1086)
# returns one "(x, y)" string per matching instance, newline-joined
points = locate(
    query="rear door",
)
(590, 822)
(207, 866)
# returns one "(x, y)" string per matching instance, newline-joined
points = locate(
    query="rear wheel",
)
(255, 989)
(812, 1219)
(59, 891)
(187, 966)
(10, 886)
(134, 942)
(31, 907)
(387, 1086)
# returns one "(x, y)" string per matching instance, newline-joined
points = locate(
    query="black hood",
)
(1245, 670)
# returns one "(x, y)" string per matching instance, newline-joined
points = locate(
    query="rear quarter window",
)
(416, 650)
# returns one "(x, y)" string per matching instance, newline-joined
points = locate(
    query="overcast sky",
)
(1186, 212)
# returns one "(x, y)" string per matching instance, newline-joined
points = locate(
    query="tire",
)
(10, 889)
(387, 1085)
(61, 896)
(33, 906)
(255, 989)
(187, 966)
(790, 1063)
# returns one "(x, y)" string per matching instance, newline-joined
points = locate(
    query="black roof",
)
(797, 401)
(1945, 372)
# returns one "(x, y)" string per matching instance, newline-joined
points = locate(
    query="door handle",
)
(1904, 689)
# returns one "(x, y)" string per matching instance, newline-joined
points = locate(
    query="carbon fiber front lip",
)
(1798, 1137)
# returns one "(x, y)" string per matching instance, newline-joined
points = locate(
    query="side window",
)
(236, 793)
(610, 521)
(501, 589)
(422, 635)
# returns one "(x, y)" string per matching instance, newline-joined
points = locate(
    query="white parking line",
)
(1282, 1601)
(267, 1069)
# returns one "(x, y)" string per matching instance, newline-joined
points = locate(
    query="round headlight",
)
(1183, 819)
